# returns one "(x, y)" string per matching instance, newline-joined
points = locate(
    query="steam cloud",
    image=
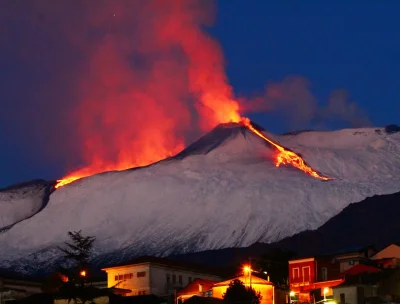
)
(124, 83)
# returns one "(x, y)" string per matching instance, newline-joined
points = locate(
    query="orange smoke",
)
(153, 78)
(140, 82)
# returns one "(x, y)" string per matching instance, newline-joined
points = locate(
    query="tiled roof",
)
(243, 278)
(193, 287)
(361, 268)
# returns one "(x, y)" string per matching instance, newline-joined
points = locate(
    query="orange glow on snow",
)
(284, 156)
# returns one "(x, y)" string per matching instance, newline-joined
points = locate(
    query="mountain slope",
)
(372, 221)
(222, 191)
(22, 201)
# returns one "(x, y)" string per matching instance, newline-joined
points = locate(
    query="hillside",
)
(222, 191)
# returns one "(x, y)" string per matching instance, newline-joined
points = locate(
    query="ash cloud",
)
(293, 99)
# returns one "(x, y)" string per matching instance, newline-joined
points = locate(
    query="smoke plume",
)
(117, 84)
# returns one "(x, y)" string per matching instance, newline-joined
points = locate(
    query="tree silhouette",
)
(237, 293)
(78, 252)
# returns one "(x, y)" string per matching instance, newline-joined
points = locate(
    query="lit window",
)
(141, 274)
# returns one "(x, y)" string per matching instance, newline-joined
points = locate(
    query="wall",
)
(301, 265)
(350, 293)
(354, 294)
(265, 290)
(136, 285)
(158, 277)
(155, 281)
(333, 269)
(392, 251)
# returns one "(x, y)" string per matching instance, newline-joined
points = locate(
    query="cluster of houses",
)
(354, 276)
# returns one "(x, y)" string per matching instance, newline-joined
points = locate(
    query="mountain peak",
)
(222, 134)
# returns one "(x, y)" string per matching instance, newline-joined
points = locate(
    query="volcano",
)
(224, 190)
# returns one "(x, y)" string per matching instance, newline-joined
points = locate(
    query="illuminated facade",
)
(157, 276)
(269, 294)
(312, 279)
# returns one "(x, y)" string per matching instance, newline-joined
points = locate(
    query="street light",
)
(83, 273)
(326, 290)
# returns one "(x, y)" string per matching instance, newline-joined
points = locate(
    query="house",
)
(198, 287)
(216, 290)
(312, 278)
(389, 257)
(156, 276)
(361, 285)
(350, 257)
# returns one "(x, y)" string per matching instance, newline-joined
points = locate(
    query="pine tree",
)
(78, 252)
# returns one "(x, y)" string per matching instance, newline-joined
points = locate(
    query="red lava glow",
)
(156, 76)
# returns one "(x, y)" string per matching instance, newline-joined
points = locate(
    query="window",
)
(168, 278)
(351, 262)
(180, 280)
(116, 278)
(173, 278)
(131, 276)
(190, 280)
(296, 273)
(342, 298)
(306, 274)
(126, 276)
(324, 274)
(120, 277)
(141, 274)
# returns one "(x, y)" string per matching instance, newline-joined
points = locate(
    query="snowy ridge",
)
(222, 191)
(22, 201)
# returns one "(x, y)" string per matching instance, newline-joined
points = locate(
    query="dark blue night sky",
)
(327, 45)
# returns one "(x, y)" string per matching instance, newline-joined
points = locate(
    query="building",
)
(197, 288)
(312, 279)
(361, 285)
(14, 289)
(389, 257)
(350, 257)
(354, 293)
(157, 276)
(201, 288)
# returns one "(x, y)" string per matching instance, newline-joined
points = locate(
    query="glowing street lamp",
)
(83, 273)
(326, 290)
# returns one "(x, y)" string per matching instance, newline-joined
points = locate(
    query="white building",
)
(157, 276)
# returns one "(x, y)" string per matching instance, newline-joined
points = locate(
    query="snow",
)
(222, 191)
(20, 202)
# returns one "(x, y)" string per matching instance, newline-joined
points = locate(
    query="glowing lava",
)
(285, 156)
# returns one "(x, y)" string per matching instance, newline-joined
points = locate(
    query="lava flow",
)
(285, 156)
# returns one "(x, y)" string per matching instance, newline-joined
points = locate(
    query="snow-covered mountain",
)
(222, 191)
(22, 201)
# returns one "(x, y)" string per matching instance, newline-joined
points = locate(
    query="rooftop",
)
(170, 263)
